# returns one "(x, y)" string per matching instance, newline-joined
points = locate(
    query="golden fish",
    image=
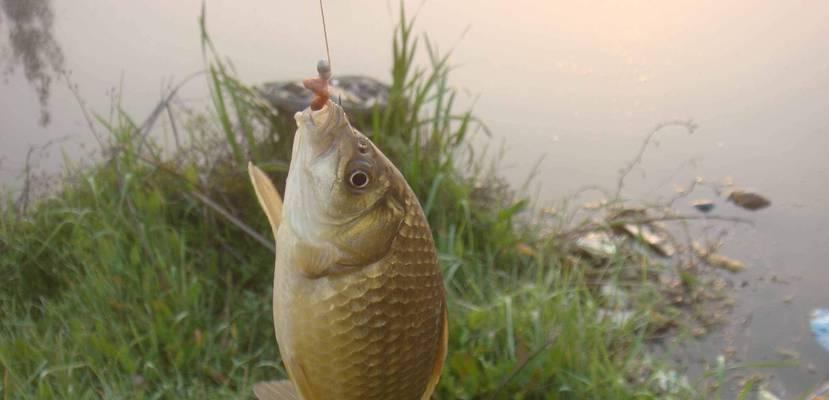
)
(359, 303)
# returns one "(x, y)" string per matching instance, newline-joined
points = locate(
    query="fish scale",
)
(386, 319)
(377, 323)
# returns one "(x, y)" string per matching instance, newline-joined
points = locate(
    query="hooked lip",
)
(323, 128)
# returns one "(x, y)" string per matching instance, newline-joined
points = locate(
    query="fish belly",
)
(369, 334)
(372, 333)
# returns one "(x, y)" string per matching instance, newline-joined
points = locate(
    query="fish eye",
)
(358, 179)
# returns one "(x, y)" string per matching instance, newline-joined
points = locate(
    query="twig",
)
(696, 182)
(535, 171)
(235, 221)
(73, 87)
(588, 227)
(23, 200)
(207, 201)
(670, 178)
(585, 189)
(681, 217)
(580, 192)
(683, 193)
(689, 126)
(148, 123)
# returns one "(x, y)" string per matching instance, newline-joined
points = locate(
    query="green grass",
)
(132, 282)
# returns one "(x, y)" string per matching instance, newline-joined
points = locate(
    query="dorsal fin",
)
(275, 390)
(268, 196)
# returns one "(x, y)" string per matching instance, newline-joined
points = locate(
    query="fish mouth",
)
(323, 128)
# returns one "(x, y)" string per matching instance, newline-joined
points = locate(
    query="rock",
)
(597, 244)
(749, 200)
(703, 205)
(358, 95)
(764, 394)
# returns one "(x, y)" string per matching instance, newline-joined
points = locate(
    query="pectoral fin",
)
(275, 390)
(268, 196)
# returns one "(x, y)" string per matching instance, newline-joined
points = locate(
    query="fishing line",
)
(325, 33)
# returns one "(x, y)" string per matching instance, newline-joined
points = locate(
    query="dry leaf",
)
(656, 239)
(525, 249)
(717, 260)
(721, 261)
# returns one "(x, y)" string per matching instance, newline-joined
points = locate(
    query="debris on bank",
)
(748, 200)
(646, 266)
(654, 236)
(717, 260)
(597, 244)
(703, 205)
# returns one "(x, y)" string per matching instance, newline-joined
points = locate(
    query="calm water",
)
(579, 84)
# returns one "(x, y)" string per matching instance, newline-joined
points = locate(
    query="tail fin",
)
(275, 390)
(268, 196)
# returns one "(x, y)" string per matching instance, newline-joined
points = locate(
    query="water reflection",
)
(33, 46)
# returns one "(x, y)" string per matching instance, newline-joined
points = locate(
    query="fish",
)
(359, 304)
